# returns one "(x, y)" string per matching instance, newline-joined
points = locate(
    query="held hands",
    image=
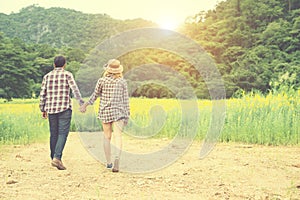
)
(83, 107)
(44, 115)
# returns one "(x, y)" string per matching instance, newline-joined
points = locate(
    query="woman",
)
(114, 108)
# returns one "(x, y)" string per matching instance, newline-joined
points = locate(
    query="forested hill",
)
(255, 44)
(31, 38)
(64, 27)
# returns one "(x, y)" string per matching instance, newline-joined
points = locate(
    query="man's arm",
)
(43, 93)
(75, 89)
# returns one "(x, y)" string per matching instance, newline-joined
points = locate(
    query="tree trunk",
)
(238, 7)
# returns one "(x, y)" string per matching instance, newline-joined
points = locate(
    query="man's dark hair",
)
(59, 61)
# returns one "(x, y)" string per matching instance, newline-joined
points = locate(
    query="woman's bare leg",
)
(118, 127)
(107, 131)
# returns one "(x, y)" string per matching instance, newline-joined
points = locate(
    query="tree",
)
(14, 72)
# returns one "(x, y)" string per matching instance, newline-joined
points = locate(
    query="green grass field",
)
(252, 119)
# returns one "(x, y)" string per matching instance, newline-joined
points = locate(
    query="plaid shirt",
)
(114, 100)
(55, 92)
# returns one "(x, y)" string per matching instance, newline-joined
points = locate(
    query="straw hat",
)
(114, 66)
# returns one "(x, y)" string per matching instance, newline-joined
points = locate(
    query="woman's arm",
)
(93, 97)
(126, 99)
(96, 93)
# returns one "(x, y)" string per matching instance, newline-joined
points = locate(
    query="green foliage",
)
(21, 122)
(253, 118)
(271, 119)
(45, 33)
(60, 27)
(250, 40)
(22, 67)
(254, 43)
(153, 90)
(14, 71)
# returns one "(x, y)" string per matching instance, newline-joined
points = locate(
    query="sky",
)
(164, 12)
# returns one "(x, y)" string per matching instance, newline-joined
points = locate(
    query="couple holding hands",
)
(56, 105)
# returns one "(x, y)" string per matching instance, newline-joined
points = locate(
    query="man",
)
(56, 105)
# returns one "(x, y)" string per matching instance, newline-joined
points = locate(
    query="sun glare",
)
(168, 24)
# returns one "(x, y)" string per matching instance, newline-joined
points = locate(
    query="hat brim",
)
(115, 70)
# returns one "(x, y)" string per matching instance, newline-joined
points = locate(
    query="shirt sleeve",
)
(96, 93)
(75, 89)
(126, 99)
(43, 93)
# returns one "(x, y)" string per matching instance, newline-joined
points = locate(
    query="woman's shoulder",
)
(121, 80)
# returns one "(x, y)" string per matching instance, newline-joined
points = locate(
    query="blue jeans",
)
(59, 124)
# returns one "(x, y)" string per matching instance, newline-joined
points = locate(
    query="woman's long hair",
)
(115, 76)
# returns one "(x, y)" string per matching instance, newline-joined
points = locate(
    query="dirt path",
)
(231, 171)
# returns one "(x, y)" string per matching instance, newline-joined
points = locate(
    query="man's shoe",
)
(58, 164)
